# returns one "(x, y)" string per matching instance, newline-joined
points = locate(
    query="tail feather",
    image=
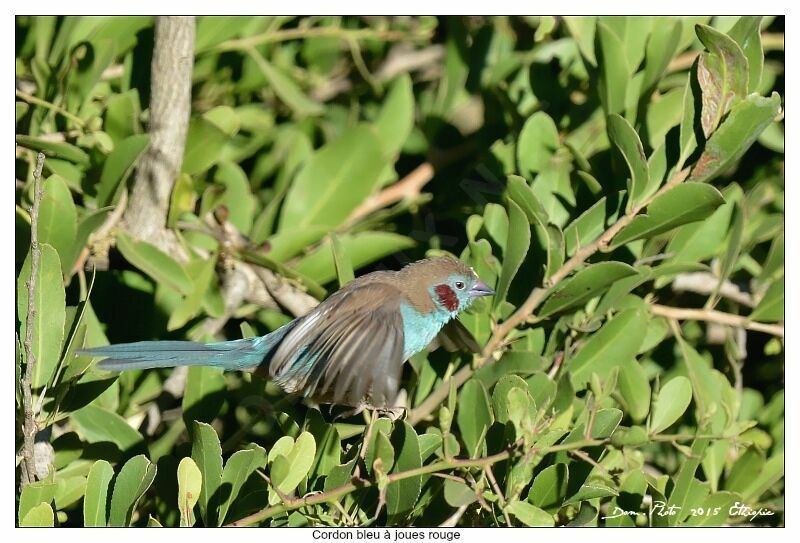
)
(240, 354)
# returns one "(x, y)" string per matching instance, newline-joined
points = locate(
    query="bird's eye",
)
(460, 285)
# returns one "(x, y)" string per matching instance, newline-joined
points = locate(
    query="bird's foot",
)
(393, 413)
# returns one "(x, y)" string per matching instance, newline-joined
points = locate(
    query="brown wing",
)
(455, 337)
(348, 351)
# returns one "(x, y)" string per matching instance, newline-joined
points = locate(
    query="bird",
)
(350, 349)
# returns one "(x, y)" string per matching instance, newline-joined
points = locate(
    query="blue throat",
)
(419, 330)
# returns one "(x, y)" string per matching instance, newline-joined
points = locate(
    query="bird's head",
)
(451, 285)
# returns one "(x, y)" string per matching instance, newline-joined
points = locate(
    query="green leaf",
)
(717, 508)
(119, 165)
(96, 424)
(58, 219)
(286, 89)
(122, 115)
(190, 483)
(582, 29)
(95, 503)
(722, 75)
(549, 487)
(635, 389)
(457, 493)
(747, 33)
(49, 313)
(40, 515)
(699, 241)
(207, 454)
(402, 495)
(584, 285)
(614, 70)
(770, 308)
(34, 494)
(762, 480)
(688, 491)
(495, 221)
(59, 149)
(344, 267)
(606, 422)
(204, 144)
(396, 117)
(202, 273)
(335, 180)
(520, 192)
(613, 345)
(155, 263)
(529, 514)
(500, 395)
(586, 227)
(131, 483)
(237, 198)
(288, 471)
(671, 402)
(70, 489)
(538, 141)
(239, 467)
(625, 138)
(364, 248)
(686, 203)
(517, 244)
(474, 416)
(553, 239)
(204, 394)
(380, 446)
(740, 129)
(661, 47)
(687, 137)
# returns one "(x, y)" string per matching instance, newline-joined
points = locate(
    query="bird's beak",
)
(481, 289)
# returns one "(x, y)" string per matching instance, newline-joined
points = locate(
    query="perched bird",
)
(350, 349)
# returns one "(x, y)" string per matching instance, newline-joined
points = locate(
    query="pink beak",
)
(481, 289)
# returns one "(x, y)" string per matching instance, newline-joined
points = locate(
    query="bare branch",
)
(170, 105)
(719, 317)
(29, 425)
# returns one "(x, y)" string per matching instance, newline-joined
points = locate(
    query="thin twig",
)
(275, 36)
(29, 429)
(500, 498)
(719, 317)
(407, 188)
(410, 186)
(44, 103)
(535, 298)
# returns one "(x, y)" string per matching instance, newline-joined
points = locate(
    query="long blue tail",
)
(239, 354)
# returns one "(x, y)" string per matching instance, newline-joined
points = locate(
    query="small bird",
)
(350, 349)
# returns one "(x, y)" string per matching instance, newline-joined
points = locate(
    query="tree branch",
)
(170, 106)
(719, 317)
(29, 425)
(441, 465)
(535, 298)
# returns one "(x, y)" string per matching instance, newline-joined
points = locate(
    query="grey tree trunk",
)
(170, 105)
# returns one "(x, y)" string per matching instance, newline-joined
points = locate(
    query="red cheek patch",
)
(447, 297)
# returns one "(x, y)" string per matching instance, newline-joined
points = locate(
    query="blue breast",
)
(418, 329)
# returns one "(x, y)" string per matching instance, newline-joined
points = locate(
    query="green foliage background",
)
(543, 133)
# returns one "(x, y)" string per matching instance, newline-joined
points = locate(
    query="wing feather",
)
(348, 351)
